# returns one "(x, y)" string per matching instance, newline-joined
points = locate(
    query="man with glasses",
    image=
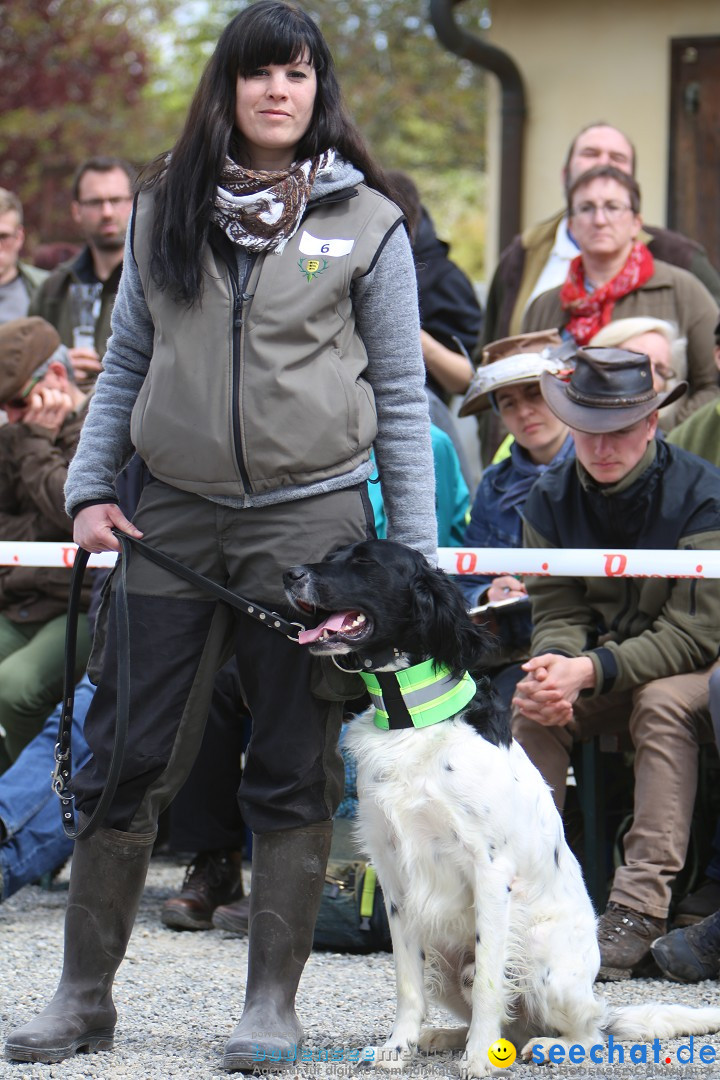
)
(45, 410)
(102, 194)
(18, 280)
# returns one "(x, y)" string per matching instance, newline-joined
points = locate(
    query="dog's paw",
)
(436, 1040)
(474, 1066)
(389, 1058)
(538, 1050)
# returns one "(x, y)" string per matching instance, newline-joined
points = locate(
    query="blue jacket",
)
(496, 516)
(496, 521)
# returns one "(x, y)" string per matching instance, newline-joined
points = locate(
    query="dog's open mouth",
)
(341, 628)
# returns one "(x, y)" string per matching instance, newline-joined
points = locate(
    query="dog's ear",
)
(442, 623)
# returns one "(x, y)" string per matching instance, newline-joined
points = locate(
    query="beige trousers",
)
(667, 721)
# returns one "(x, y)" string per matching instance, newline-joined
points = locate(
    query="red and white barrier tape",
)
(35, 553)
(580, 562)
(540, 562)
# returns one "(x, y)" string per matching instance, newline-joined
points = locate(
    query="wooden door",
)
(694, 180)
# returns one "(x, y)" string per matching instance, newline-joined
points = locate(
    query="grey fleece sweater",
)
(386, 312)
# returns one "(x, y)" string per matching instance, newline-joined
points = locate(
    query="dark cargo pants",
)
(179, 637)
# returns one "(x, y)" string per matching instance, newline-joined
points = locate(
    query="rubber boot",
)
(288, 874)
(106, 883)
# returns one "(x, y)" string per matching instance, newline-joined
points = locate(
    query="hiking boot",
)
(696, 906)
(233, 918)
(213, 878)
(691, 954)
(625, 937)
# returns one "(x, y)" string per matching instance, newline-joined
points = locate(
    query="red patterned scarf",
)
(589, 312)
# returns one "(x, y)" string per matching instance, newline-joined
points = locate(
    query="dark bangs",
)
(275, 33)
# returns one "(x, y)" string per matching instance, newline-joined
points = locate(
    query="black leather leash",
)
(62, 773)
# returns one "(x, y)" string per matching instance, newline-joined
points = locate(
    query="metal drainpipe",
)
(470, 47)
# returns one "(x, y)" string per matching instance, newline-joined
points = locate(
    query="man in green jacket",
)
(626, 654)
(102, 195)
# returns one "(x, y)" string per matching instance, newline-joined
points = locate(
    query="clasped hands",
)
(551, 686)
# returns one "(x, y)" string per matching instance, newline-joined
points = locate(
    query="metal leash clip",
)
(60, 774)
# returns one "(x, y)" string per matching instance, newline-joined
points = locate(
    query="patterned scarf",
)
(591, 311)
(262, 210)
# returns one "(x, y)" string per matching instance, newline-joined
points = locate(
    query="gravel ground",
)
(179, 994)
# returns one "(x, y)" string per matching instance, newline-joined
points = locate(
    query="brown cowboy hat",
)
(610, 389)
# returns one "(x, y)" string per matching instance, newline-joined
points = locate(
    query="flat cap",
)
(25, 344)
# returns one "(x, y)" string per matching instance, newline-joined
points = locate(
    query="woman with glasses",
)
(265, 336)
(616, 277)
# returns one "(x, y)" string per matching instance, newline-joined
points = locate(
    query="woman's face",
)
(602, 221)
(530, 421)
(657, 348)
(273, 109)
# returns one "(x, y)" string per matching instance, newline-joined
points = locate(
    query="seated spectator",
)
(661, 342)
(616, 277)
(18, 280)
(615, 653)
(700, 433)
(45, 411)
(508, 381)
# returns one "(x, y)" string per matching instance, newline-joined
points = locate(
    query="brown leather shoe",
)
(213, 878)
(625, 937)
(233, 918)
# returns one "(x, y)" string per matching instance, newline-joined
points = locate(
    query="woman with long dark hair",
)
(265, 335)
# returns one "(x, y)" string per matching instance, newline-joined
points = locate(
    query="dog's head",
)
(378, 595)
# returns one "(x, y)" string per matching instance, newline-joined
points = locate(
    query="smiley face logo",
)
(501, 1053)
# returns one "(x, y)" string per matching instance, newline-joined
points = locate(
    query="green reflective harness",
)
(418, 696)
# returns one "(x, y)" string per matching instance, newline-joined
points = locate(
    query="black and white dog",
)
(488, 910)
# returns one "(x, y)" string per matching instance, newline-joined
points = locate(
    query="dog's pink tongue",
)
(335, 622)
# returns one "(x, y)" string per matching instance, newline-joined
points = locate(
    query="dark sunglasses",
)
(20, 400)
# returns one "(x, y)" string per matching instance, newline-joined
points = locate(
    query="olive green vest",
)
(262, 391)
